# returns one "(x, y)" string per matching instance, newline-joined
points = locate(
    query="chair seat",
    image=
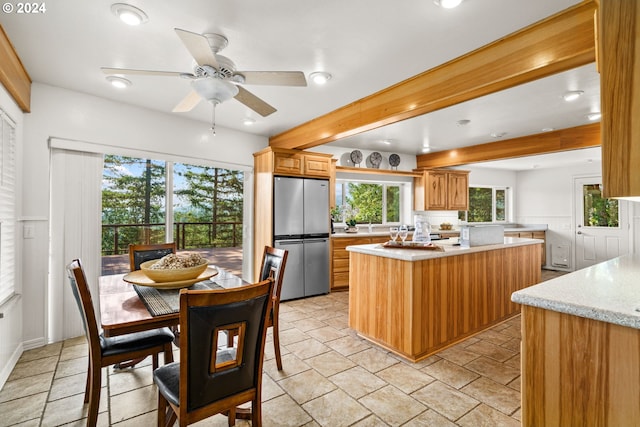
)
(136, 341)
(167, 377)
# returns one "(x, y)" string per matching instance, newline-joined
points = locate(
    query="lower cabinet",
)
(542, 235)
(339, 263)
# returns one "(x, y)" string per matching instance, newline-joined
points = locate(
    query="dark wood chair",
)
(141, 253)
(211, 377)
(273, 263)
(105, 351)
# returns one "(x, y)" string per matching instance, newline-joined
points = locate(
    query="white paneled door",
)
(602, 225)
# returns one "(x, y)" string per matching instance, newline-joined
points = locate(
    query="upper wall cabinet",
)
(294, 162)
(441, 189)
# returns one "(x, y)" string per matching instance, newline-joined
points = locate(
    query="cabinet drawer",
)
(526, 235)
(340, 279)
(340, 265)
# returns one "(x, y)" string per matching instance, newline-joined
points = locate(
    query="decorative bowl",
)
(446, 226)
(172, 274)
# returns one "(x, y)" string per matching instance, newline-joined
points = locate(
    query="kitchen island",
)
(416, 302)
(581, 347)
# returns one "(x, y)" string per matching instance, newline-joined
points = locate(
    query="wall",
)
(11, 321)
(72, 115)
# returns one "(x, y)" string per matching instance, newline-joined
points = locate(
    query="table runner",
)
(167, 301)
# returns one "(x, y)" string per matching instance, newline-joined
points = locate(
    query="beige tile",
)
(458, 354)
(513, 345)
(283, 411)
(405, 377)
(291, 336)
(291, 315)
(326, 334)
(133, 403)
(494, 337)
(357, 381)
(392, 405)
(124, 380)
(79, 340)
(33, 367)
(484, 416)
(68, 386)
(26, 386)
(72, 367)
(148, 419)
(41, 352)
(370, 421)
(498, 396)
(74, 351)
(514, 362)
(373, 359)
(308, 324)
(490, 368)
(450, 373)
(330, 363)
(336, 409)
(491, 350)
(517, 415)
(446, 400)
(306, 386)
(338, 322)
(422, 363)
(429, 418)
(31, 423)
(308, 348)
(349, 345)
(270, 388)
(22, 409)
(515, 384)
(70, 409)
(291, 365)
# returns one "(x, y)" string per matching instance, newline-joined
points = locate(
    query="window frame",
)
(345, 181)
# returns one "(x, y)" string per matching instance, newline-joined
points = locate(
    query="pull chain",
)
(213, 120)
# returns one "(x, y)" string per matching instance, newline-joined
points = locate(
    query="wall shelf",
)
(371, 171)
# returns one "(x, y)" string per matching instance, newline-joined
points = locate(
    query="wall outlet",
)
(28, 231)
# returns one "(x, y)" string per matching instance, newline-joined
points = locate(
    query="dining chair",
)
(105, 351)
(212, 377)
(273, 264)
(141, 253)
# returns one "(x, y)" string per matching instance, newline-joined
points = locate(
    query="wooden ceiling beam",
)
(558, 43)
(579, 137)
(13, 75)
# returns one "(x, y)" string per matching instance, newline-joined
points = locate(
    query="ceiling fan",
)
(214, 77)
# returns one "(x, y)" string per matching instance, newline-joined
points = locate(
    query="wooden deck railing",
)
(187, 235)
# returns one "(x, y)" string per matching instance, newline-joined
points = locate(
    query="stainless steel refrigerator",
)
(301, 225)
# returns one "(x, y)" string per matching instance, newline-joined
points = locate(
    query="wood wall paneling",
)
(13, 75)
(558, 43)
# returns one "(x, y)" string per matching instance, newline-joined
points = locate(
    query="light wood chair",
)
(141, 253)
(212, 378)
(105, 351)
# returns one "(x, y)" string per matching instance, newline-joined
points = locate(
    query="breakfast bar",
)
(415, 302)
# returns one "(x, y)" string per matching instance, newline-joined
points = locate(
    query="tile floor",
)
(330, 378)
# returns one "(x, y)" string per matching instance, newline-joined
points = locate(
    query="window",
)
(486, 204)
(7, 206)
(369, 202)
(598, 211)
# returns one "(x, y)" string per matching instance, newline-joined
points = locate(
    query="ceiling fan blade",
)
(274, 78)
(253, 102)
(107, 70)
(188, 103)
(198, 46)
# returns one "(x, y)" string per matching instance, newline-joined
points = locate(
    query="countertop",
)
(384, 231)
(447, 245)
(609, 292)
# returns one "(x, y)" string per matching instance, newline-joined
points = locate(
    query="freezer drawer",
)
(316, 266)
(293, 280)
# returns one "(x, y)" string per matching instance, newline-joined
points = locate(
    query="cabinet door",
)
(316, 166)
(457, 191)
(436, 190)
(286, 163)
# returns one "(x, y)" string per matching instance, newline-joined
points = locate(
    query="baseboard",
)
(34, 343)
(11, 363)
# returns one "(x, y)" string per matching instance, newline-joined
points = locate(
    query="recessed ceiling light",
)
(119, 82)
(498, 134)
(248, 121)
(448, 4)
(594, 116)
(572, 95)
(547, 129)
(320, 77)
(463, 122)
(386, 141)
(426, 149)
(128, 14)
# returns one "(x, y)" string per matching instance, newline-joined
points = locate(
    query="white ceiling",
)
(367, 45)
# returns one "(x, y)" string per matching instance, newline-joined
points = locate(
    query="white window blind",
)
(7, 206)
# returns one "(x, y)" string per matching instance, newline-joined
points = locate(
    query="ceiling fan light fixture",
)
(463, 122)
(119, 82)
(448, 4)
(572, 95)
(128, 14)
(498, 134)
(248, 121)
(215, 90)
(594, 116)
(320, 77)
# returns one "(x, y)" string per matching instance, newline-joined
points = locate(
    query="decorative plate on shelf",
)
(376, 159)
(394, 160)
(356, 157)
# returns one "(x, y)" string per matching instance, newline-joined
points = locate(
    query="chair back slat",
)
(274, 260)
(82, 296)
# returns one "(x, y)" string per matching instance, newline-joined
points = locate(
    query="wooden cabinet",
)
(339, 263)
(542, 235)
(442, 189)
(294, 162)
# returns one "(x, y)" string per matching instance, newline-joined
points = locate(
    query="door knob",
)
(579, 232)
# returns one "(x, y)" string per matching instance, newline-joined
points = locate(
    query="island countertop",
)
(608, 292)
(449, 249)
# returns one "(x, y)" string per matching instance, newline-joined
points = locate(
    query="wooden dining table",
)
(122, 311)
